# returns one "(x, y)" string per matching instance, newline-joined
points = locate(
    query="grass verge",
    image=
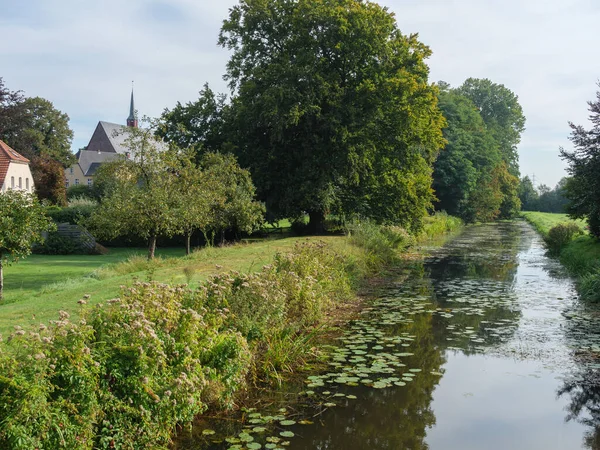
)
(580, 256)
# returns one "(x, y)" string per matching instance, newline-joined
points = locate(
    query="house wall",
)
(16, 171)
(74, 175)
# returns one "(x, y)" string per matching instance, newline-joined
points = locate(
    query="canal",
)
(483, 344)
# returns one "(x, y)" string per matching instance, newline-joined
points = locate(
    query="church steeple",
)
(132, 119)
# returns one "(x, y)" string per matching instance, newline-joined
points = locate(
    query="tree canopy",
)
(472, 177)
(332, 109)
(198, 124)
(40, 132)
(583, 187)
(22, 221)
(503, 115)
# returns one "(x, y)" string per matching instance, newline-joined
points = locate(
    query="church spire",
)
(132, 119)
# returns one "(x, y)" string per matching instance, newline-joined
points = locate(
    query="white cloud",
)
(83, 55)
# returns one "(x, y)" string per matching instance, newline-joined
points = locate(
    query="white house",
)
(14, 170)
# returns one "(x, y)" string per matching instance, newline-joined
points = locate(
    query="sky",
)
(83, 56)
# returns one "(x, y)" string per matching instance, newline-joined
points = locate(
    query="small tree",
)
(141, 192)
(22, 221)
(195, 194)
(234, 205)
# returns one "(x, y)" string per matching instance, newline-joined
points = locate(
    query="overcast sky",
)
(83, 55)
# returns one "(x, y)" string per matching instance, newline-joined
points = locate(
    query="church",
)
(107, 143)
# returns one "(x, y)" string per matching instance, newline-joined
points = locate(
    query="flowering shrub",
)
(136, 366)
(48, 387)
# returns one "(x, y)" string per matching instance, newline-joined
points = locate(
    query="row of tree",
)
(332, 112)
(162, 191)
(543, 198)
(476, 176)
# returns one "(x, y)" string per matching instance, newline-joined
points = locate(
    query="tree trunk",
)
(1, 278)
(316, 224)
(151, 247)
(188, 243)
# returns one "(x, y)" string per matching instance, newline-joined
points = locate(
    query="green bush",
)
(382, 243)
(439, 224)
(560, 235)
(55, 244)
(589, 286)
(81, 190)
(49, 384)
(71, 214)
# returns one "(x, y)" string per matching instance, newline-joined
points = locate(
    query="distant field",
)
(41, 285)
(544, 221)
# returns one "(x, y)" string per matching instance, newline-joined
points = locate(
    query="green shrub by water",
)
(580, 255)
(136, 367)
(560, 235)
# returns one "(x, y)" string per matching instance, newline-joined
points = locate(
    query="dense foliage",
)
(22, 222)
(132, 369)
(501, 112)
(583, 188)
(40, 132)
(472, 176)
(332, 109)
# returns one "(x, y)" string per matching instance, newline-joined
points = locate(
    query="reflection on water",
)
(482, 346)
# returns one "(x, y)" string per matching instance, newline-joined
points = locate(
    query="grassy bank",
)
(580, 255)
(125, 372)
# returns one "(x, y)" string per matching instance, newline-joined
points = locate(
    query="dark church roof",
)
(109, 137)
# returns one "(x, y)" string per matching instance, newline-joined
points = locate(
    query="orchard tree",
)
(233, 204)
(22, 222)
(583, 187)
(332, 109)
(140, 192)
(503, 115)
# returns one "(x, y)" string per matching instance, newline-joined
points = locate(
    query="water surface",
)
(482, 345)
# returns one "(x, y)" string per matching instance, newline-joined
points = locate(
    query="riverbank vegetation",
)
(577, 250)
(124, 373)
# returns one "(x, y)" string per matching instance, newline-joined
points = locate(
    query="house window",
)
(67, 183)
(12, 182)
(71, 170)
(76, 181)
(20, 183)
(89, 181)
(27, 183)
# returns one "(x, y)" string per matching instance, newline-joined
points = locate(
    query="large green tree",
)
(332, 108)
(503, 115)
(583, 187)
(469, 157)
(22, 221)
(40, 132)
(198, 124)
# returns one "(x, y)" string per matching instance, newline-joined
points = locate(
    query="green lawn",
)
(41, 285)
(544, 221)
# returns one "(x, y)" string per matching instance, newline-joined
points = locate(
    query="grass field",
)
(41, 285)
(544, 221)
